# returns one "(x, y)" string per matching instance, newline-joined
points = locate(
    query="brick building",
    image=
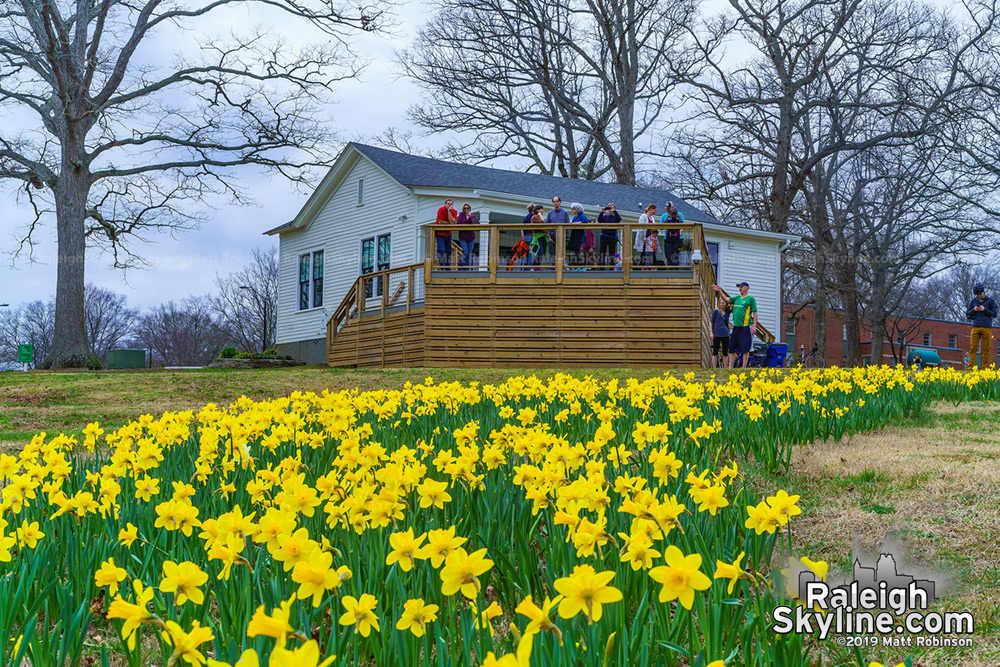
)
(949, 339)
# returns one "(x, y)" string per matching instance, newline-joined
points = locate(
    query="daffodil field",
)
(565, 522)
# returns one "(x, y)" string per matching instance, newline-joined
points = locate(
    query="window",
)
(953, 341)
(790, 325)
(902, 338)
(311, 281)
(303, 282)
(368, 262)
(713, 256)
(375, 256)
(361, 191)
(927, 338)
(318, 279)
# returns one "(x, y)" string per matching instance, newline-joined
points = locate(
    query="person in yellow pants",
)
(982, 309)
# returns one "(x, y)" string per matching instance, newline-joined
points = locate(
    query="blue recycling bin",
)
(776, 353)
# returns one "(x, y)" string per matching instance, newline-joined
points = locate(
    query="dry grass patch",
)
(930, 489)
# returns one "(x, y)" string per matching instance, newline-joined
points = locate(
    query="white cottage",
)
(369, 214)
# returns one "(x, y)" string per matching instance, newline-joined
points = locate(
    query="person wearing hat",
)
(744, 321)
(981, 311)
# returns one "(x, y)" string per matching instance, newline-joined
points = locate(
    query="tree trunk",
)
(847, 288)
(69, 342)
(878, 335)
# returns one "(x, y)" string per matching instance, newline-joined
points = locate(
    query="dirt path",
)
(928, 491)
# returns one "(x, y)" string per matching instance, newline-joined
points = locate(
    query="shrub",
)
(94, 362)
(228, 353)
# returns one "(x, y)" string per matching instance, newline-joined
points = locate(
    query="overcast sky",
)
(188, 264)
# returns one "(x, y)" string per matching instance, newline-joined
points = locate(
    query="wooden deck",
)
(538, 317)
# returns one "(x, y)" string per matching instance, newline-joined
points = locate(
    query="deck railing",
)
(400, 288)
(379, 291)
(562, 248)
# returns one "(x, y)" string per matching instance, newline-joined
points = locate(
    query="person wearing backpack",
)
(981, 311)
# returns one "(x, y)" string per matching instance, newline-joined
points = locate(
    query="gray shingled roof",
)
(414, 171)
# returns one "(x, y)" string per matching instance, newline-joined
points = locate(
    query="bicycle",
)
(810, 359)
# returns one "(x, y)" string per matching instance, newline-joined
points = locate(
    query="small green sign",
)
(25, 353)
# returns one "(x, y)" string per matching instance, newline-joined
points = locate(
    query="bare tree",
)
(123, 145)
(568, 85)
(248, 301)
(774, 141)
(950, 291)
(108, 319)
(30, 323)
(182, 334)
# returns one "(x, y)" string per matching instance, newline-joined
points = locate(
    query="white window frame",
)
(311, 305)
(953, 341)
(361, 192)
(927, 339)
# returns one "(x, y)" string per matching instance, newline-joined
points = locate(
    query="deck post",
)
(493, 260)
(626, 252)
(560, 253)
(409, 289)
(696, 243)
(429, 251)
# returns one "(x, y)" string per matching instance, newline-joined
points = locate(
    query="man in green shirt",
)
(744, 321)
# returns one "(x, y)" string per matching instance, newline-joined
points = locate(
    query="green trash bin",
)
(121, 359)
(927, 358)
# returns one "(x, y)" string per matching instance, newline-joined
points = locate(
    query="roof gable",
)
(416, 171)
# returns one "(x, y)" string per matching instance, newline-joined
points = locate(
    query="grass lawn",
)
(928, 490)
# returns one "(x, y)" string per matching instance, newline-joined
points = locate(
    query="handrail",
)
(625, 235)
(350, 306)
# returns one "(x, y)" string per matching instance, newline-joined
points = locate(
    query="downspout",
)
(781, 291)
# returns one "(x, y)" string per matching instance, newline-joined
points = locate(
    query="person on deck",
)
(526, 233)
(541, 240)
(578, 238)
(609, 237)
(446, 215)
(557, 216)
(981, 311)
(744, 322)
(646, 243)
(466, 239)
(672, 237)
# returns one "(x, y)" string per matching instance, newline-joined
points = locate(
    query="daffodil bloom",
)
(487, 615)
(784, 505)
(462, 570)
(29, 534)
(274, 625)
(294, 548)
(109, 575)
(732, 572)
(306, 655)
(639, 553)
(134, 614)
(404, 549)
(521, 658)
(433, 493)
(360, 613)
(586, 590)
(680, 577)
(416, 616)
(185, 644)
(540, 617)
(128, 535)
(183, 580)
(248, 658)
(315, 576)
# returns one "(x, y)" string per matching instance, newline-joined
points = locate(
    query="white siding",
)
(758, 262)
(338, 230)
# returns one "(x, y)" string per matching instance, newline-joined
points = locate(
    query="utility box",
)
(118, 359)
